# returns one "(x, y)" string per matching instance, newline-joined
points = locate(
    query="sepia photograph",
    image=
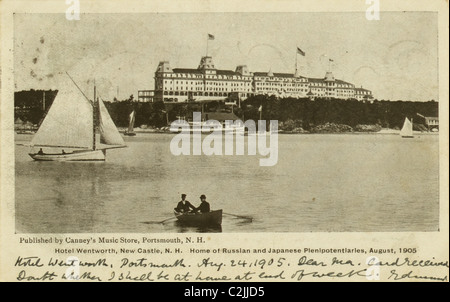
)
(226, 122)
(214, 143)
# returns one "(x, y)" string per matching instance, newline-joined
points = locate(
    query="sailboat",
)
(407, 130)
(130, 131)
(71, 125)
(259, 132)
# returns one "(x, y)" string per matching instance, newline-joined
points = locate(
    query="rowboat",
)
(200, 219)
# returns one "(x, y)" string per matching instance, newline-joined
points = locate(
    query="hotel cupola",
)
(164, 66)
(207, 65)
(329, 77)
(243, 70)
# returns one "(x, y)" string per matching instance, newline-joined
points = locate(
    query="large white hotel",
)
(208, 83)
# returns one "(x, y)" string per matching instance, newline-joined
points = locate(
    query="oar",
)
(159, 222)
(239, 216)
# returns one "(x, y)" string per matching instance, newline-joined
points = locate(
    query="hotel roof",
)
(322, 80)
(226, 72)
(362, 89)
(316, 80)
(186, 70)
(343, 82)
(199, 71)
(262, 74)
(275, 75)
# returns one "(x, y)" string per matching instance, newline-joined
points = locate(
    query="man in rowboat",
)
(184, 206)
(204, 206)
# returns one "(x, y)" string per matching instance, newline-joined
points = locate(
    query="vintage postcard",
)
(224, 141)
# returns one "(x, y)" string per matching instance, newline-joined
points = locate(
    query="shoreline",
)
(384, 131)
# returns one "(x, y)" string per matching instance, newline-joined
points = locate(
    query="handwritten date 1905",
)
(253, 263)
(259, 263)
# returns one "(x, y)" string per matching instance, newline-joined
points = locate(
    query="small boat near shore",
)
(212, 218)
(130, 130)
(25, 132)
(407, 129)
(206, 127)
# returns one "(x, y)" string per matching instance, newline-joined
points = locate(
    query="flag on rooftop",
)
(210, 37)
(299, 51)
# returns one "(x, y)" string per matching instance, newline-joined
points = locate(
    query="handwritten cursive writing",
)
(29, 261)
(411, 275)
(408, 262)
(46, 276)
(301, 268)
(300, 274)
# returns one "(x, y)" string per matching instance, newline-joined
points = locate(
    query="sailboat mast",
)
(94, 117)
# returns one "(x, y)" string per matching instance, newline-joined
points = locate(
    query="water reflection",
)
(186, 228)
(67, 197)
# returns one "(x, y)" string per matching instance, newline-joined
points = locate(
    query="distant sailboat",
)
(72, 123)
(130, 131)
(407, 130)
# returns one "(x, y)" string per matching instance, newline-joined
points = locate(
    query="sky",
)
(395, 57)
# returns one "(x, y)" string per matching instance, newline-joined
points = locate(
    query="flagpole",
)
(296, 55)
(207, 39)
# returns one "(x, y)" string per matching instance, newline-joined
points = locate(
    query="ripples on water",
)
(358, 182)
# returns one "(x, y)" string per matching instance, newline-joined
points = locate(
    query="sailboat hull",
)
(90, 155)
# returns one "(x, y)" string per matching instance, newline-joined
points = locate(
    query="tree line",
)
(387, 114)
(31, 105)
(300, 112)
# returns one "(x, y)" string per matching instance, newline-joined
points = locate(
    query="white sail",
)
(109, 134)
(68, 123)
(407, 130)
(131, 124)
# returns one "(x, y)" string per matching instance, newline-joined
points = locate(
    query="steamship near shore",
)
(206, 82)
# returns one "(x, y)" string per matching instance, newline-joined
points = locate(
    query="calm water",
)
(355, 182)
